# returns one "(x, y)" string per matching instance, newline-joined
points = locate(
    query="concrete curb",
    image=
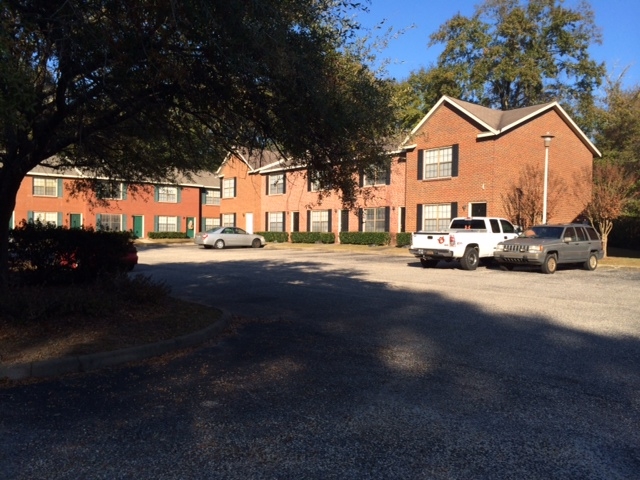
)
(94, 361)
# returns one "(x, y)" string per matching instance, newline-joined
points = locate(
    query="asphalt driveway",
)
(351, 365)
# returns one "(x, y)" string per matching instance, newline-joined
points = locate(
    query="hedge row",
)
(312, 237)
(275, 237)
(160, 235)
(403, 239)
(365, 238)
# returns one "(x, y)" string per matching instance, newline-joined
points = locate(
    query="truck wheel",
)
(550, 264)
(428, 263)
(470, 259)
(592, 263)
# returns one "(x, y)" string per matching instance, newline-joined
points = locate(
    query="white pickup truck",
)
(468, 240)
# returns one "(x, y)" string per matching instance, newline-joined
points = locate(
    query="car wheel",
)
(550, 264)
(428, 263)
(470, 259)
(256, 243)
(592, 262)
(219, 244)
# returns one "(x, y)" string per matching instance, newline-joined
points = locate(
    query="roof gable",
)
(499, 122)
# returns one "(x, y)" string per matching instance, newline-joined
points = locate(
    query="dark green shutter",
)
(419, 218)
(420, 164)
(308, 220)
(124, 223)
(266, 222)
(387, 180)
(284, 183)
(387, 218)
(179, 194)
(156, 224)
(454, 160)
(59, 219)
(329, 226)
(361, 179)
(360, 219)
(156, 193)
(98, 220)
(454, 209)
(60, 187)
(268, 182)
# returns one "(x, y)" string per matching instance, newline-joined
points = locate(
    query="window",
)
(374, 219)
(438, 163)
(319, 221)
(228, 220)
(111, 190)
(276, 222)
(436, 217)
(228, 188)
(210, 223)
(379, 176)
(109, 221)
(211, 197)
(46, 187)
(46, 217)
(168, 195)
(167, 224)
(275, 184)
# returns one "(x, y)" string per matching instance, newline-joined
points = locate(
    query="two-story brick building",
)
(192, 203)
(462, 158)
(264, 192)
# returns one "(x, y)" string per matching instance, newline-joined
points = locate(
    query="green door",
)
(138, 226)
(191, 222)
(75, 220)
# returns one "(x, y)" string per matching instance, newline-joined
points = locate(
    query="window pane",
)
(320, 221)
(276, 222)
(47, 187)
(438, 162)
(168, 194)
(228, 188)
(167, 224)
(111, 222)
(276, 184)
(436, 217)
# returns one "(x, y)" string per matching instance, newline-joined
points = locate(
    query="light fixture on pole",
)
(547, 142)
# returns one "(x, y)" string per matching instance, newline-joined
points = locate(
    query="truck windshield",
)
(543, 232)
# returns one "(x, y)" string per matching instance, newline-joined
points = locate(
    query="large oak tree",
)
(136, 90)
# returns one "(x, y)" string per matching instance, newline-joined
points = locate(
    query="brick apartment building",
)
(460, 160)
(192, 203)
(463, 158)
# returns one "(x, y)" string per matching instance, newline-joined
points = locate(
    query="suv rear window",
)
(593, 235)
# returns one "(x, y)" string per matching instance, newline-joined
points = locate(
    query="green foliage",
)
(365, 238)
(313, 237)
(511, 54)
(403, 239)
(163, 235)
(625, 233)
(275, 237)
(44, 254)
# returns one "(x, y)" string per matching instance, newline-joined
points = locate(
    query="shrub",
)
(161, 235)
(275, 237)
(47, 254)
(313, 237)
(403, 239)
(365, 238)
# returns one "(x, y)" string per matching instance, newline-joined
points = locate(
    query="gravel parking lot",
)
(355, 365)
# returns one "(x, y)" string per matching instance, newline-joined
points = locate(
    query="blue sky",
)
(619, 21)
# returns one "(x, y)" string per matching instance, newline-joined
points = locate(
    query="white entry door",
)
(249, 222)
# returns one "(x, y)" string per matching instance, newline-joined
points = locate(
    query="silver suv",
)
(548, 246)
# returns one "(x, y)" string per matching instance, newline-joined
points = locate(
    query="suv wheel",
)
(591, 263)
(550, 264)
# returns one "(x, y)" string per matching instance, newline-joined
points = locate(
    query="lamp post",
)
(547, 141)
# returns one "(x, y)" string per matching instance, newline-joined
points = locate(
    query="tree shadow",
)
(360, 380)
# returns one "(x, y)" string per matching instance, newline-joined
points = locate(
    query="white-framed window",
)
(228, 220)
(228, 187)
(436, 217)
(46, 217)
(437, 163)
(210, 223)
(111, 190)
(377, 177)
(319, 221)
(276, 184)
(110, 221)
(276, 222)
(211, 196)
(45, 187)
(167, 223)
(374, 219)
(168, 195)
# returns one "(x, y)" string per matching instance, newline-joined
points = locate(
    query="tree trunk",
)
(605, 227)
(9, 185)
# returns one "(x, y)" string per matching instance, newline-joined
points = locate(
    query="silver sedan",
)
(222, 237)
